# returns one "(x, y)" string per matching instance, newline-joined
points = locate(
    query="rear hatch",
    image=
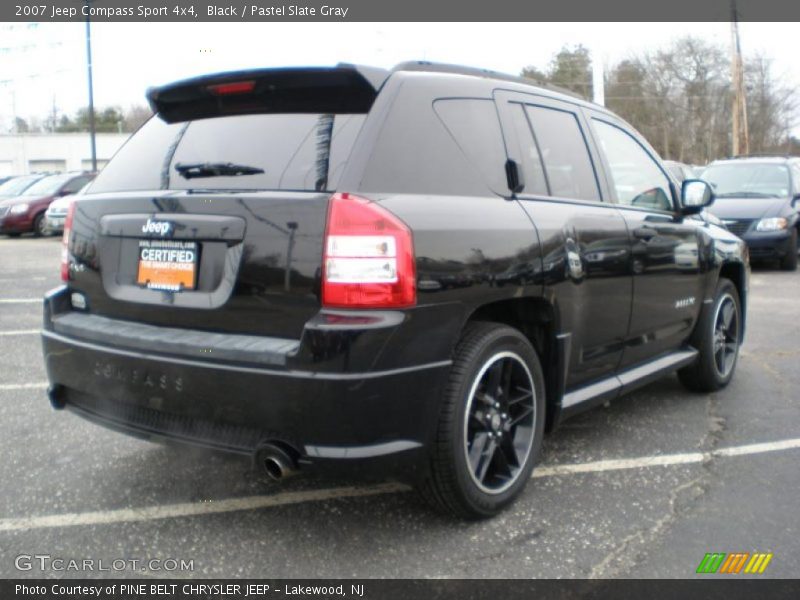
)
(212, 216)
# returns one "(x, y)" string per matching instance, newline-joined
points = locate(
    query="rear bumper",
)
(235, 401)
(768, 245)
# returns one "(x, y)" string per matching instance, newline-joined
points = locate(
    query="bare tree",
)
(679, 97)
(136, 116)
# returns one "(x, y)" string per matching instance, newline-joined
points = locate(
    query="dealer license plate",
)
(167, 265)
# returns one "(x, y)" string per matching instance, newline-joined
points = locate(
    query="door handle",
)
(644, 233)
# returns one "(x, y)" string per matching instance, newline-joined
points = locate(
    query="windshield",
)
(748, 180)
(304, 152)
(16, 186)
(48, 185)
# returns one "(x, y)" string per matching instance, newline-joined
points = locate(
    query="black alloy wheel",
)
(499, 420)
(491, 423)
(726, 335)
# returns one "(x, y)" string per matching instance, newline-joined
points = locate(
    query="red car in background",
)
(25, 213)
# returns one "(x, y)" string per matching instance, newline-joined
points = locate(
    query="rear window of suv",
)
(302, 152)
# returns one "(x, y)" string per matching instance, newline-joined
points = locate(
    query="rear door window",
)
(532, 168)
(303, 152)
(562, 147)
(474, 126)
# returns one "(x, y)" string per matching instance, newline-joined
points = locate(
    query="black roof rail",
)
(433, 67)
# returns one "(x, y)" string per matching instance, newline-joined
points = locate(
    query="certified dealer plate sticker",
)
(167, 265)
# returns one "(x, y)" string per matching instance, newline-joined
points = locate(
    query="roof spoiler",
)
(336, 90)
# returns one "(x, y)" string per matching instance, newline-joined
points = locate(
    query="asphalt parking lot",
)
(643, 488)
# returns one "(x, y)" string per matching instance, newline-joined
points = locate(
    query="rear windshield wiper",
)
(194, 170)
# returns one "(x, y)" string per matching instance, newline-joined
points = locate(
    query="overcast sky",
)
(43, 63)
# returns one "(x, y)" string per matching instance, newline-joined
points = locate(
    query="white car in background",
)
(56, 213)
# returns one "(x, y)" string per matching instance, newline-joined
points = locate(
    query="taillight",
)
(65, 242)
(369, 257)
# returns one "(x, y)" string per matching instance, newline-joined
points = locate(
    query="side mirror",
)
(696, 194)
(795, 200)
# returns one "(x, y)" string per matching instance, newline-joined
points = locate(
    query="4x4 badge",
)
(162, 228)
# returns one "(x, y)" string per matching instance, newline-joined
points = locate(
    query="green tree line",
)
(109, 119)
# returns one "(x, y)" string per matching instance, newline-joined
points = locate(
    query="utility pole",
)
(598, 80)
(91, 89)
(14, 112)
(740, 137)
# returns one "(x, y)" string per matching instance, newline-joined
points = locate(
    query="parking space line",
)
(128, 515)
(598, 466)
(23, 386)
(758, 448)
(149, 513)
(20, 332)
(25, 277)
(20, 300)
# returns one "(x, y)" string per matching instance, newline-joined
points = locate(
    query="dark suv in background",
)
(757, 200)
(413, 272)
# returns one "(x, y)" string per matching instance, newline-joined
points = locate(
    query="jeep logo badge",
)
(162, 228)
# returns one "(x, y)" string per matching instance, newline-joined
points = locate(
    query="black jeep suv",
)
(414, 272)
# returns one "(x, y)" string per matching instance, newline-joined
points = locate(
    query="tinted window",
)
(532, 169)
(288, 151)
(47, 186)
(138, 164)
(636, 177)
(17, 185)
(475, 127)
(563, 149)
(764, 180)
(76, 184)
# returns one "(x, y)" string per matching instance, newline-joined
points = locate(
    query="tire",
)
(471, 419)
(715, 364)
(14, 234)
(39, 226)
(789, 262)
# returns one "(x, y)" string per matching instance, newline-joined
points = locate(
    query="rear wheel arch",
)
(37, 219)
(537, 320)
(735, 272)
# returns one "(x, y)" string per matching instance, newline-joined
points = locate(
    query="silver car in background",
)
(56, 213)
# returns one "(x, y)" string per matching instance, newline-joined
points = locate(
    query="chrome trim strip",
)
(341, 452)
(664, 363)
(588, 392)
(629, 378)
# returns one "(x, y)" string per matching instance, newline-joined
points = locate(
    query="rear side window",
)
(474, 125)
(532, 169)
(567, 164)
(304, 152)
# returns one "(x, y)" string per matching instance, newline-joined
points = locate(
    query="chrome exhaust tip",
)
(276, 462)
